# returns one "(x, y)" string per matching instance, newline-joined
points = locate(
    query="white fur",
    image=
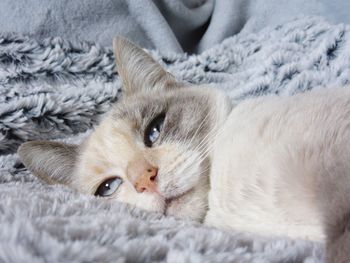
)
(269, 158)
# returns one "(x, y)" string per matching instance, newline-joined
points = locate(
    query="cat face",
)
(152, 149)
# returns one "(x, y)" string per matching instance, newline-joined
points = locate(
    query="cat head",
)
(151, 150)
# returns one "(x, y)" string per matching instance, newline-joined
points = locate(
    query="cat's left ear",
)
(53, 162)
(138, 70)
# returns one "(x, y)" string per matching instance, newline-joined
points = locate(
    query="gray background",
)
(166, 25)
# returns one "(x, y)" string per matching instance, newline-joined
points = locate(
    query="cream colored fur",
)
(270, 157)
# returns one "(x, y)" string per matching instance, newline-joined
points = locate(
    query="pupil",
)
(153, 131)
(154, 134)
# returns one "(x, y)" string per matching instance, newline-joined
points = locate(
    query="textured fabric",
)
(165, 25)
(57, 90)
(53, 88)
(40, 223)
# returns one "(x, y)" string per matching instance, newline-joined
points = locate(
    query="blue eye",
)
(153, 130)
(154, 134)
(108, 187)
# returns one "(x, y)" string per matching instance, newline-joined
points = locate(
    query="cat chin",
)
(191, 205)
(167, 206)
(187, 197)
(173, 205)
(174, 195)
(175, 199)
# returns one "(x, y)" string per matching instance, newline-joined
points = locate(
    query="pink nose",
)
(142, 175)
(147, 181)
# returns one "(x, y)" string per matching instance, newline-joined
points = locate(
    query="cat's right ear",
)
(138, 70)
(53, 162)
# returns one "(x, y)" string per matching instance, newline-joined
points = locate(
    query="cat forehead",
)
(145, 105)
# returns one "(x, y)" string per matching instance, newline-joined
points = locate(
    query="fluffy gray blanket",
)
(164, 25)
(54, 89)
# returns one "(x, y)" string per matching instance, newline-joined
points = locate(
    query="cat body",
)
(270, 165)
(276, 161)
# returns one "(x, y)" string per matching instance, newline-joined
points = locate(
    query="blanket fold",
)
(165, 25)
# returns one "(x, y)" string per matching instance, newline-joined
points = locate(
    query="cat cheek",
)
(180, 181)
(151, 203)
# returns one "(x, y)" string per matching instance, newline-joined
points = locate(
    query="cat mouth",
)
(169, 200)
(172, 200)
(177, 197)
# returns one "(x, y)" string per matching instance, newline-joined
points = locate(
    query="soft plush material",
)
(165, 25)
(53, 89)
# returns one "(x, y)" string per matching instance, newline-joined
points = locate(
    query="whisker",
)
(198, 129)
(204, 148)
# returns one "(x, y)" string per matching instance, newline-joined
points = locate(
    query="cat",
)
(269, 165)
